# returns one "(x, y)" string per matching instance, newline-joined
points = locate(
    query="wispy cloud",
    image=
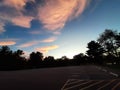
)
(35, 42)
(28, 44)
(46, 49)
(57, 32)
(2, 28)
(55, 13)
(48, 40)
(7, 43)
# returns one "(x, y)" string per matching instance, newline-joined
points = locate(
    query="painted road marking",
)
(106, 84)
(65, 84)
(77, 84)
(92, 85)
(114, 74)
(116, 86)
(104, 70)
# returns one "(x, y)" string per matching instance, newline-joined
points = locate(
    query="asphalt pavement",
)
(61, 78)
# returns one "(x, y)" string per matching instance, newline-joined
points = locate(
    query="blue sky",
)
(56, 27)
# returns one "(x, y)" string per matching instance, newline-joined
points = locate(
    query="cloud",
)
(2, 28)
(7, 43)
(35, 42)
(46, 49)
(13, 11)
(48, 40)
(18, 4)
(23, 21)
(57, 32)
(55, 13)
(28, 44)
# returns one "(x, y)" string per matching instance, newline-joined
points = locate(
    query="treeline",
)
(105, 50)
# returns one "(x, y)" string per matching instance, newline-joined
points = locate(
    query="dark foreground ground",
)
(63, 78)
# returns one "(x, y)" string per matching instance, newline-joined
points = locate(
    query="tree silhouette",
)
(110, 41)
(49, 61)
(5, 55)
(79, 59)
(35, 59)
(11, 60)
(95, 51)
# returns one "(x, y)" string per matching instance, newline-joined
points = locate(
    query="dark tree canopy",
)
(35, 58)
(94, 49)
(110, 41)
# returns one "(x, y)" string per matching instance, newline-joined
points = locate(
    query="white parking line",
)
(114, 74)
(92, 85)
(77, 85)
(65, 84)
(106, 84)
(116, 86)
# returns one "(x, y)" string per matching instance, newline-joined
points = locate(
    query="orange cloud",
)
(55, 13)
(23, 21)
(18, 4)
(47, 48)
(7, 43)
(28, 44)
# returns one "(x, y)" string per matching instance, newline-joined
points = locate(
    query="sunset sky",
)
(56, 27)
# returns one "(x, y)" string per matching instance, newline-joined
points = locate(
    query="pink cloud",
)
(48, 40)
(55, 13)
(18, 4)
(35, 42)
(46, 49)
(28, 44)
(57, 32)
(16, 16)
(23, 21)
(7, 43)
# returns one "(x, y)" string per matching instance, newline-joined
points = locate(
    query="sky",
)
(56, 27)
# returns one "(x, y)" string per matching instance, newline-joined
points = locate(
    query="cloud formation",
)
(7, 43)
(23, 21)
(46, 49)
(13, 12)
(48, 40)
(55, 13)
(35, 42)
(18, 4)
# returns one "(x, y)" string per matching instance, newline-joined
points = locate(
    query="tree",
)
(11, 60)
(49, 61)
(110, 41)
(79, 59)
(5, 55)
(95, 51)
(35, 59)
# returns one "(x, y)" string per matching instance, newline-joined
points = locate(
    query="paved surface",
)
(76, 84)
(63, 78)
